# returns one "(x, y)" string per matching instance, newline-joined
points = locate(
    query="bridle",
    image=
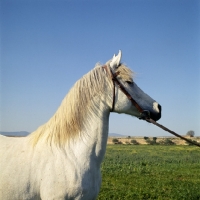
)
(144, 114)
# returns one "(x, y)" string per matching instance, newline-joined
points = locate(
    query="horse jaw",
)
(116, 60)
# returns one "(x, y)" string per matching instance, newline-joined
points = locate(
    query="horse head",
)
(128, 98)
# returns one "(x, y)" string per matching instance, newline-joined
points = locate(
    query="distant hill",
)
(25, 133)
(16, 134)
(116, 135)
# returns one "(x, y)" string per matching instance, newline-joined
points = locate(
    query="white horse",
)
(62, 158)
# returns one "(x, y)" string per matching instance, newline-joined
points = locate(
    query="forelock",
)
(125, 73)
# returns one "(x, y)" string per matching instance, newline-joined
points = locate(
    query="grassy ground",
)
(151, 172)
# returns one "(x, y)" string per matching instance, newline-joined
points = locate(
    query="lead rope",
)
(172, 132)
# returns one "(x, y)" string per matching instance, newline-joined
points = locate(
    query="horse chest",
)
(67, 179)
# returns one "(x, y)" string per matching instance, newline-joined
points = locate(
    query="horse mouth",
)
(156, 116)
(147, 115)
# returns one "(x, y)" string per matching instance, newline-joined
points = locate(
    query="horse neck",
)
(91, 141)
(81, 122)
(93, 134)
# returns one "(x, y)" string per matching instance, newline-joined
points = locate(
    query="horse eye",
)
(130, 82)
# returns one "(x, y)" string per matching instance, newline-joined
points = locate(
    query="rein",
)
(145, 115)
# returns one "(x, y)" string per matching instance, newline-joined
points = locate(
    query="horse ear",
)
(116, 60)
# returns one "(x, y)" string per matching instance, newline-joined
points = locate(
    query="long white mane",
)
(77, 106)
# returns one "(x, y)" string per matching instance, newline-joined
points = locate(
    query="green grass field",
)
(151, 172)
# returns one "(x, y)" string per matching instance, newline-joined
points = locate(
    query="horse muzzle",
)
(146, 114)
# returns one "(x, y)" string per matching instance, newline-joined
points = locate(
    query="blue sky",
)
(46, 46)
